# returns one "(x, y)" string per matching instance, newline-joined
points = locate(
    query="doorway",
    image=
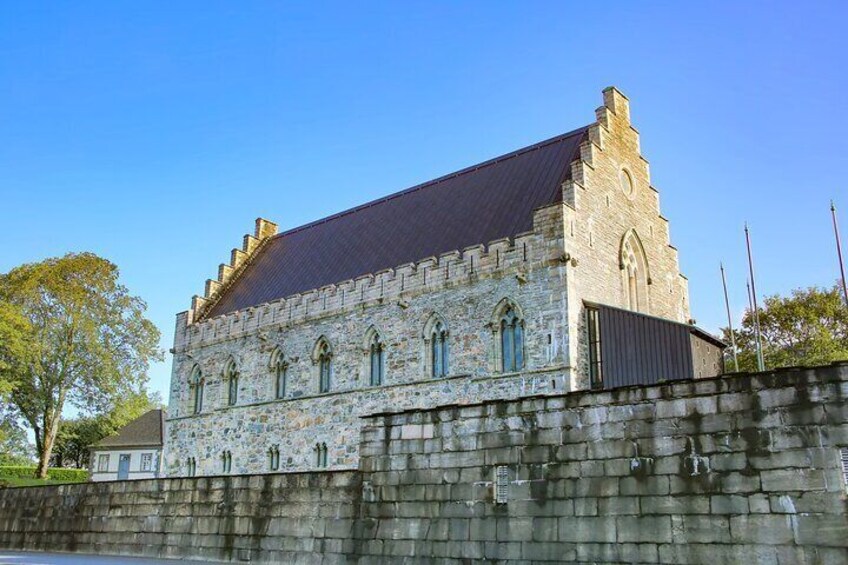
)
(124, 466)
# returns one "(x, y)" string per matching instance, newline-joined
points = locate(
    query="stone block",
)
(792, 480)
(761, 529)
(644, 529)
(687, 529)
(587, 529)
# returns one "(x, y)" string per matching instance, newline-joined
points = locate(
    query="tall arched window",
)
(436, 352)
(279, 369)
(507, 325)
(376, 358)
(226, 461)
(635, 275)
(439, 350)
(196, 383)
(512, 342)
(322, 356)
(231, 377)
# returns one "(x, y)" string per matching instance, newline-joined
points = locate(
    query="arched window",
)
(439, 350)
(196, 383)
(322, 357)
(321, 455)
(635, 275)
(231, 377)
(226, 461)
(274, 457)
(376, 358)
(508, 332)
(191, 467)
(436, 355)
(279, 369)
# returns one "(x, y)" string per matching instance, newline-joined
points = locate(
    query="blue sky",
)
(155, 133)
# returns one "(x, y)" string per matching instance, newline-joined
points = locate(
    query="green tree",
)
(90, 342)
(15, 333)
(809, 327)
(15, 449)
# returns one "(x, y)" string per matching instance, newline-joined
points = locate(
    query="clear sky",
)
(154, 134)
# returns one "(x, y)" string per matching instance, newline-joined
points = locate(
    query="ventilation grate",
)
(501, 484)
(844, 456)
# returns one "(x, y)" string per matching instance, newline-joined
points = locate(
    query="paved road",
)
(36, 558)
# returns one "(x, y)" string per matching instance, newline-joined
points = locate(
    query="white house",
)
(135, 452)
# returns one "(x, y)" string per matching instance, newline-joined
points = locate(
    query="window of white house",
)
(102, 463)
(146, 461)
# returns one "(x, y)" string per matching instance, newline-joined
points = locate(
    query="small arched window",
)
(226, 461)
(439, 350)
(231, 377)
(196, 383)
(274, 457)
(279, 369)
(376, 359)
(191, 467)
(323, 359)
(321, 455)
(512, 341)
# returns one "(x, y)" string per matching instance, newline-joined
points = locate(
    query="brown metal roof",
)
(146, 430)
(489, 201)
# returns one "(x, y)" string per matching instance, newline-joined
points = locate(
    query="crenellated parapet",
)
(228, 272)
(516, 257)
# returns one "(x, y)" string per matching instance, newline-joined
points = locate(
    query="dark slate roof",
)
(146, 430)
(489, 201)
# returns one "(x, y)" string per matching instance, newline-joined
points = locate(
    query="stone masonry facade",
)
(573, 254)
(736, 469)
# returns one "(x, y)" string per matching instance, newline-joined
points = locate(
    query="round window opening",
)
(626, 182)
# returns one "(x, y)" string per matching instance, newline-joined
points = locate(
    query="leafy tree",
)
(77, 435)
(15, 449)
(15, 333)
(90, 342)
(809, 327)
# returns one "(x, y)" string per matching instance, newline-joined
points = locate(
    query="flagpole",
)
(760, 362)
(729, 318)
(839, 251)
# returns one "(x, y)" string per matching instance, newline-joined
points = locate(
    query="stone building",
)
(542, 271)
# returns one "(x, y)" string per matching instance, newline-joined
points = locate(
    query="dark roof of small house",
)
(479, 204)
(146, 430)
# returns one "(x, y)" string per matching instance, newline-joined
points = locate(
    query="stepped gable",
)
(489, 201)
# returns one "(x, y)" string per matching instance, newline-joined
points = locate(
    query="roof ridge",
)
(438, 180)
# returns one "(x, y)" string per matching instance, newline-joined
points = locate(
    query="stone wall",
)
(739, 469)
(735, 469)
(281, 518)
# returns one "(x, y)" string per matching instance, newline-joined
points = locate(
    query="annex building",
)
(542, 271)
